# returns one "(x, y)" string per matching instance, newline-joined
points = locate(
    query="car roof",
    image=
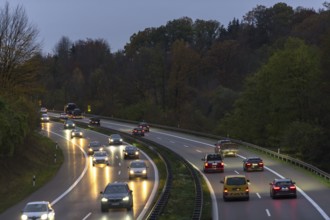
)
(118, 183)
(283, 180)
(235, 176)
(138, 161)
(38, 202)
(253, 158)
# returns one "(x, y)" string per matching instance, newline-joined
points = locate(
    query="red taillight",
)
(247, 189)
(261, 164)
(225, 190)
(206, 164)
(292, 188)
(248, 164)
(276, 188)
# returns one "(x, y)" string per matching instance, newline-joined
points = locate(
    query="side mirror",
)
(221, 181)
(101, 192)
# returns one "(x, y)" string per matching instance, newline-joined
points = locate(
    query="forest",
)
(264, 79)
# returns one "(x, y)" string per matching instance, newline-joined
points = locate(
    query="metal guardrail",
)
(283, 157)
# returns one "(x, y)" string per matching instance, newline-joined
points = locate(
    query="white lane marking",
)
(258, 195)
(86, 217)
(79, 178)
(119, 164)
(159, 138)
(116, 156)
(119, 172)
(236, 172)
(268, 213)
(186, 145)
(172, 142)
(199, 151)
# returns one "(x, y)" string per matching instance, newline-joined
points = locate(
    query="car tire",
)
(225, 199)
(104, 208)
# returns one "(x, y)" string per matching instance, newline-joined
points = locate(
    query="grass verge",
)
(35, 157)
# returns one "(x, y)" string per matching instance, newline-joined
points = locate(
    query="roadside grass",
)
(35, 157)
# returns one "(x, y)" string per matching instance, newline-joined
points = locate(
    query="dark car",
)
(138, 132)
(131, 152)
(115, 139)
(213, 163)
(94, 146)
(116, 195)
(94, 121)
(69, 124)
(253, 164)
(145, 126)
(283, 188)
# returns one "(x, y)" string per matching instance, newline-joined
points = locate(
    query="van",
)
(235, 187)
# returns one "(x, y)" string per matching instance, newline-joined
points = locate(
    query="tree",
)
(17, 46)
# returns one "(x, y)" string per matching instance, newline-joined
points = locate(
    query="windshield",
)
(35, 208)
(236, 181)
(116, 189)
(138, 165)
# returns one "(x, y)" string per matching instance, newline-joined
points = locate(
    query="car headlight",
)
(94, 158)
(111, 140)
(136, 153)
(90, 150)
(131, 172)
(126, 153)
(144, 171)
(104, 200)
(44, 217)
(73, 125)
(126, 198)
(24, 217)
(80, 133)
(72, 134)
(101, 149)
(106, 159)
(121, 139)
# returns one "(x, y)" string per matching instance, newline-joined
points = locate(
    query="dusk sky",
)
(117, 20)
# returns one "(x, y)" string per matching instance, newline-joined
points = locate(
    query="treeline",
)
(263, 78)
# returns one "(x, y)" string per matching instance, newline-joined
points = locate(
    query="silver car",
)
(38, 210)
(115, 139)
(76, 133)
(101, 157)
(138, 168)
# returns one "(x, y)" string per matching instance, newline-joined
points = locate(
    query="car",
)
(69, 124)
(213, 163)
(38, 210)
(101, 157)
(76, 133)
(131, 151)
(95, 121)
(144, 125)
(64, 116)
(220, 143)
(115, 139)
(43, 110)
(116, 195)
(235, 187)
(253, 164)
(137, 168)
(94, 146)
(283, 188)
(44, 118)
(138, 132)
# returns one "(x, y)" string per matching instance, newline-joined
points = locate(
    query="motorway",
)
(313, 196)
(75, 191)
(82, 201)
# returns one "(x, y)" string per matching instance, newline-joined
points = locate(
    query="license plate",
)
(285, 189)
(115, 203)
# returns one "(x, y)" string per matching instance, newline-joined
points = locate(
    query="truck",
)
(226, 148)
(72, 110)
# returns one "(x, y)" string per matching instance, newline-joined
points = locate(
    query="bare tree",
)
(18, 47)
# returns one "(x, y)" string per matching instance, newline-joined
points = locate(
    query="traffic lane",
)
(85, 198)
(57, 186)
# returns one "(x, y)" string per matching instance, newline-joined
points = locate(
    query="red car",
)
(213, 163)
(283, 188)
(138, 132)
(253, 164)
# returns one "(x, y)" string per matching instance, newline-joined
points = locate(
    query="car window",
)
(36, 208)
(138, 165)
(236, 181)
(213, 157)
(116, 189)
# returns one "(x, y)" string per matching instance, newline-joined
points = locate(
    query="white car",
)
(43, 110)
(101, 157)
(138, 168)
(64, 116)
(38, 210)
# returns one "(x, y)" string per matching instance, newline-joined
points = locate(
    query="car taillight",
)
(276, 188)
(292, 187)
(220, 164)
(247, 189)
(248, 164)
(261, 164)
(225, 190)
(206, 164)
